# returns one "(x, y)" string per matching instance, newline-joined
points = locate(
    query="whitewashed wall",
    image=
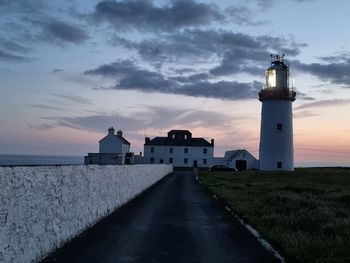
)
(44, 206)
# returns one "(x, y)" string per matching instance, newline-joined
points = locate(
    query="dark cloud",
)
(63, 32)
(241, 15)
(336, 72)
(8, 57)
(56, 70)
(22, 6)
(235, 52)
(13, 46)
(144, 15)
(266, 4)
(131, 77)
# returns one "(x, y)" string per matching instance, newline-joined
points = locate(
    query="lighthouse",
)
(276, 132)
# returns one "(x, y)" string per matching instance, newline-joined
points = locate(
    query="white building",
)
(239, 159)
(180, 149)
(114, 143)
(276, 134)
(113, 149)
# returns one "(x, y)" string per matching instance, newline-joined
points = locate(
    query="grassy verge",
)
(304, 214)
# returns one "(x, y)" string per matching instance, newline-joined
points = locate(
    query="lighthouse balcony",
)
(277, 94)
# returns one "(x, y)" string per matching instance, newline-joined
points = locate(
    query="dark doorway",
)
(127, 161)
(195, 164)
(161, 161)
(241, 165)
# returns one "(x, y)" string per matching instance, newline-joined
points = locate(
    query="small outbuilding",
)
(239, 159)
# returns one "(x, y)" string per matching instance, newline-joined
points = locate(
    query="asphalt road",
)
(174, 221)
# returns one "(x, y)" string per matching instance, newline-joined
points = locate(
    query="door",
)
(195, 163)
(241, 165)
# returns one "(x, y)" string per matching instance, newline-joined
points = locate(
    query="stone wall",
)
(42, 207)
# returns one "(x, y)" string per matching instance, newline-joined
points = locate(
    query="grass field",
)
(304, 214)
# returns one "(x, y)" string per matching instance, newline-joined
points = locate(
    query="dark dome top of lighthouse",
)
(278, 62)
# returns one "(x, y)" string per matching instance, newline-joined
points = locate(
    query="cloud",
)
(234, 52)
(72, 98)
(163, 118)
(130, 77)
(56, 70)
(22, 6)
(241, 15)
(303, 114)
(13, 46)
(144, 15)
(8, 57)
(324, 103)
(266, 4)
(43, 106)
(336, 72)
(63, 32)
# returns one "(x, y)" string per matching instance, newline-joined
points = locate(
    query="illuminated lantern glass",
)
(271, 78)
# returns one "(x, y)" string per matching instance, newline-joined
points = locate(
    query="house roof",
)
(125, 141)
(179, 142)
(230, 155)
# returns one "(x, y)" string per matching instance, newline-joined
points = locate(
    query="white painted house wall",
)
(113, 144)
(178, 155)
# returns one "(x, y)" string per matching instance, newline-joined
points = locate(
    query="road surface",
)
(174, 221)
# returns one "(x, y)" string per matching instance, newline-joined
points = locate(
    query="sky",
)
(71, 69)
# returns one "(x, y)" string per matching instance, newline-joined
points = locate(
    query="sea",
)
(29, 159)
(22, 159)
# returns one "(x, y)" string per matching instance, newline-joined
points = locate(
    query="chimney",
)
(212, 142)
(111, 130)
(120, 133)
(147, 140)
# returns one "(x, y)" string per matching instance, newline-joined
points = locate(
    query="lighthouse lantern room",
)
(276, 133)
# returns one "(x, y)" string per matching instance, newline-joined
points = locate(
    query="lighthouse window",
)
(279, 164)
(271, 78)
(279, 126)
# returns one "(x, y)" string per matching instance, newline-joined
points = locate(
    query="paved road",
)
(173, 221)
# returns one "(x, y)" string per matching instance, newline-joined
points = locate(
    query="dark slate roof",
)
(179, 142)
(125, 141)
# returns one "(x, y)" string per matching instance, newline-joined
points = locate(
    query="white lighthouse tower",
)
(276, 134)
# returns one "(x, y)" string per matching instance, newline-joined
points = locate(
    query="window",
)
(205, 151)
(279, 126)
(204, 161)
(170, 160)
(185, 136)
(185, 161)
(271, 78)
(152, 149)
(279, 164)
(152, 160)
(171, 150)
(173, 136)
(186, 150)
